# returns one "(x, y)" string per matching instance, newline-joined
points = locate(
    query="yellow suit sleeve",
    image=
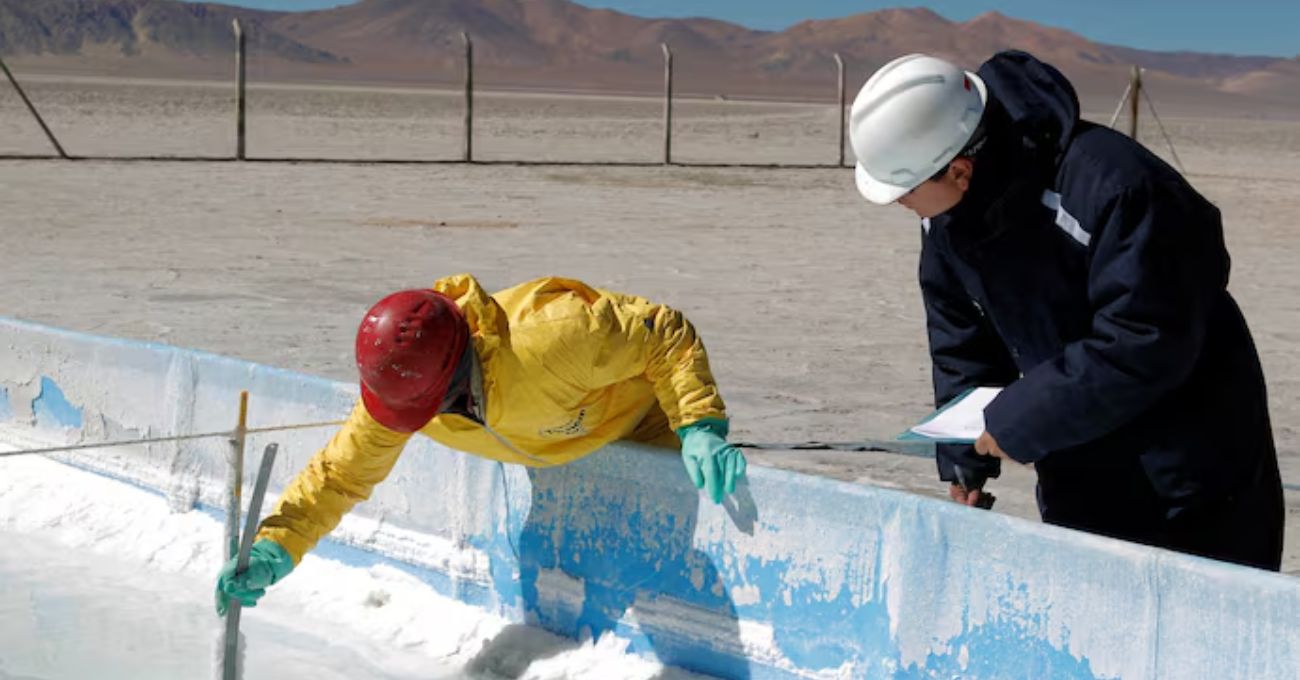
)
(639, 337)
(338, 477)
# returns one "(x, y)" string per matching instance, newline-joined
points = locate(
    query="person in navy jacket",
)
(1064, 261)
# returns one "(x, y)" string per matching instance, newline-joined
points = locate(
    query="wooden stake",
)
(235, 482)
(467, 154)
(668, 104)
(839, 64)
(30, 107)
(240, 128)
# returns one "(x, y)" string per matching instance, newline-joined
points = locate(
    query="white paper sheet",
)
(961, 421)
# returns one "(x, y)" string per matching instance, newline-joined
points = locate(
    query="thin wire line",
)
(1120, 107)
(1152, 105)
(160, 440)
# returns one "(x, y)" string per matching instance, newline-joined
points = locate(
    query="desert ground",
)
(805, 295)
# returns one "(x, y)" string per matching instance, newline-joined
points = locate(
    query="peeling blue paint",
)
(1003, 650)
(53, 409)
(803, 633)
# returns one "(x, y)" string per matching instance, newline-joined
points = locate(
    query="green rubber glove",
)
(711, 463)
(267, 564)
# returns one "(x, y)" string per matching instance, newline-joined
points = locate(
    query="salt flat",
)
(805, 295)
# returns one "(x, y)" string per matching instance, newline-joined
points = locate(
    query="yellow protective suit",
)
(566, 369)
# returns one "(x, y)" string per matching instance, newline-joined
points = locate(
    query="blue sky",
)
(1237, 26)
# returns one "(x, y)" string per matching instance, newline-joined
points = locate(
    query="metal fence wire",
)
(294, 132)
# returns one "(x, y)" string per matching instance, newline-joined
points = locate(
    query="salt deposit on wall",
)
(367, 609)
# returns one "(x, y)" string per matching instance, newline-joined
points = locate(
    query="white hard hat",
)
(909, 121)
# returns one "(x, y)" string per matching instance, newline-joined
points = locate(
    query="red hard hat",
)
(408, 347)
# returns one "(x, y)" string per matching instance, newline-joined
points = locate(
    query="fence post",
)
(240, 128)
(1135, 97)
(31, 107)
(467, 153)
(839, 64)
(668, 104)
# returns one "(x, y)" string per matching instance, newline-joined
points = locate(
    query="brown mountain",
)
(549, 44)
(522, 32)
(148, 30)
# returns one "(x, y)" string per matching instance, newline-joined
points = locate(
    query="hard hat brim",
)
(872, 189)
(884, 193)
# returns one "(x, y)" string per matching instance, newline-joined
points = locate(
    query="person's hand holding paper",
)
(986, 445)
(961, 421)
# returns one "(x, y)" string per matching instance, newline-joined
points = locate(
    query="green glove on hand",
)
(711, 462)
(267, 564)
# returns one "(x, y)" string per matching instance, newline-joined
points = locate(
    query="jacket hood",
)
(1030, 118)
(1036, 103)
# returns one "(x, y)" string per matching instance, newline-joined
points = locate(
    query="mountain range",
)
(562, 45)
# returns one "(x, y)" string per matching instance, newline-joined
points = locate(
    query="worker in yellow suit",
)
(540, 375)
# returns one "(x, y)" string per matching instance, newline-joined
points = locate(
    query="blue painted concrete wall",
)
(794, 577)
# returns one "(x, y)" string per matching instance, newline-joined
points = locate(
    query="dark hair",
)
(971, 150)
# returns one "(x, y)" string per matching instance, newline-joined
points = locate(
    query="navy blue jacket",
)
(1088, 277)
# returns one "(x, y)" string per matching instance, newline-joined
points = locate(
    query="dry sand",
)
(805, 295)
